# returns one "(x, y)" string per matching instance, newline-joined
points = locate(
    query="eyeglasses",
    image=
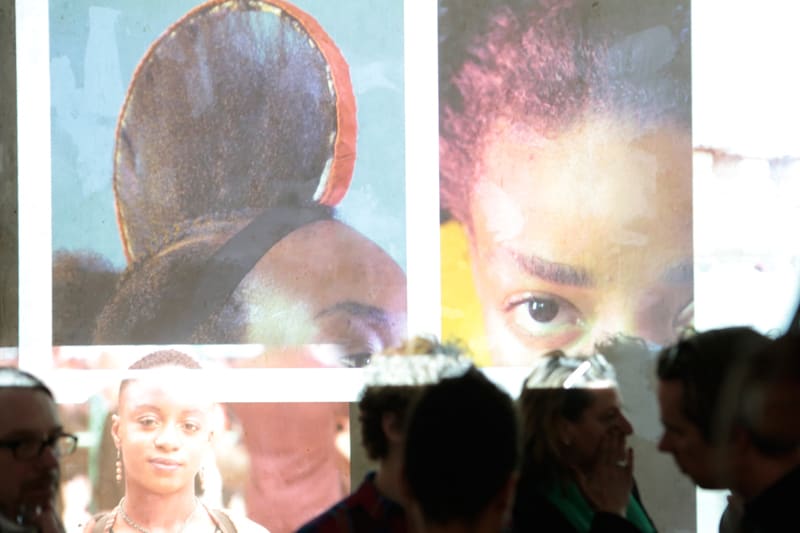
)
(25, 449)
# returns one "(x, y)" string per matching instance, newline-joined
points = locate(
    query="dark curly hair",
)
(377, 401)
(154, 300)
(548, 64)
(374, 404)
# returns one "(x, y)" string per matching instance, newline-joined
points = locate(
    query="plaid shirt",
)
(364, 510)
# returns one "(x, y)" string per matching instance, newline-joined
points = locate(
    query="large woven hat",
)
(241, 105)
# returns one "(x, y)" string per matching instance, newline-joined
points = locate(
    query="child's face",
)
(582, 236)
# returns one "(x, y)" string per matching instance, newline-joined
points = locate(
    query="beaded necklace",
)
(128, 520)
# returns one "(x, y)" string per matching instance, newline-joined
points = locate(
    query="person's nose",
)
(168, 437)
(625, 425)
(664, 444)
(48, 458)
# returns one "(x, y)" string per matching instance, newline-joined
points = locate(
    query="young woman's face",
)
(163, 431)
(581, 237)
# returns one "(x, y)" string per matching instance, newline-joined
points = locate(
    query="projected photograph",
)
(163, 427)
(228, 172)
(566, 184)
(566, 195)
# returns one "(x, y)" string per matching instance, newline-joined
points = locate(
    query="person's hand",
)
(608, 484)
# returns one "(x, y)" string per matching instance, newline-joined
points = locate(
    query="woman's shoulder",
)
(99, 523)
(231, 522)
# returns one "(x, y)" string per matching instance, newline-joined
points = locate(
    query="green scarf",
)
(580, 514)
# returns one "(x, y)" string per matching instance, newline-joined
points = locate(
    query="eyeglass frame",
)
(52, 442)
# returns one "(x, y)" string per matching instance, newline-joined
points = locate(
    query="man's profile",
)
(721, 393)
(32, 440)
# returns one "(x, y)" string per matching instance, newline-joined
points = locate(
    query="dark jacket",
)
(533, 512)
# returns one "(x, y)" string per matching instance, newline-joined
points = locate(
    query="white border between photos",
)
(34, 191)
(423, 253)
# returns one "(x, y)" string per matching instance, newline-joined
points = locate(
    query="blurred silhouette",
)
(32, 440)
(728, 402)
(394, 379)
(461, 456)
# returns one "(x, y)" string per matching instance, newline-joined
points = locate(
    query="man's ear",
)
(392, 427)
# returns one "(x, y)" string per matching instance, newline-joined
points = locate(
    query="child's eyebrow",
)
(551, 271)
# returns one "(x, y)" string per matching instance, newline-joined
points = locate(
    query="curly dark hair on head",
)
(152, 303)
(134, 314)
(548, 65)
(83, 282)
(374, 404)
(387, 397)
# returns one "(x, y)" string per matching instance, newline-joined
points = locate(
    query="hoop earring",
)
(118, 467)
(200, 481)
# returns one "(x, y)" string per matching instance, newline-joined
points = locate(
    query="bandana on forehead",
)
(411, 370)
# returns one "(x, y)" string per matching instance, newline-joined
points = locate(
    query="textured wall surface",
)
(8, 177)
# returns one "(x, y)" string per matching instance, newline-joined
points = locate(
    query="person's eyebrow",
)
(369, 312)
(679, 273)
(146, 407)
(558, 273)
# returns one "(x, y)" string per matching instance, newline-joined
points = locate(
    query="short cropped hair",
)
(703, 363)
(14, 378)
(161, 358)
(461, 447)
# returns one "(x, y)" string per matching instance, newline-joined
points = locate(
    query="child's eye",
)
(148, 421)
